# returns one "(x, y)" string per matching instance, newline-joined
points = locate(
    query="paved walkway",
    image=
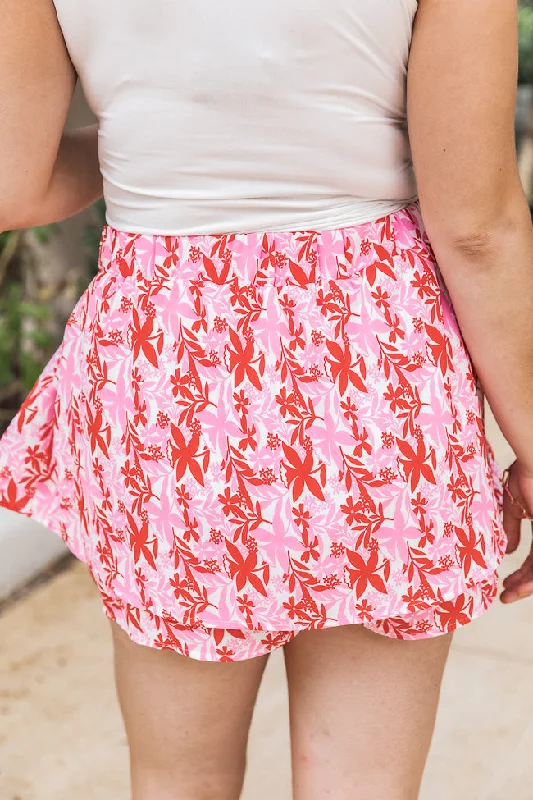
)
(61, 737)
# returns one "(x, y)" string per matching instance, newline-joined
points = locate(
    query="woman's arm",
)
(462, 94)
(45, 175)
(74, 184)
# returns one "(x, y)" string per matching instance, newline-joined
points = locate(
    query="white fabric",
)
(222, 116)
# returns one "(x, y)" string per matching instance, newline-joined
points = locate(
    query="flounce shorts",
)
(247, 436)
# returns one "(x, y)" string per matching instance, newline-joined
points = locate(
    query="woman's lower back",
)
(223, 118)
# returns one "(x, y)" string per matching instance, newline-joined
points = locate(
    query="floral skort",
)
(247, 436)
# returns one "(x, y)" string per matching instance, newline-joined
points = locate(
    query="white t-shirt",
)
(221, 116)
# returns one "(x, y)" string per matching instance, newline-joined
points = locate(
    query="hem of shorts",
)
(137, 638)
(373, 626)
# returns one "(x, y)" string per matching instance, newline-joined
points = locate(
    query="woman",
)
(262, 428)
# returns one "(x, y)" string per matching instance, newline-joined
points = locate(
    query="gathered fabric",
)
(246, 436)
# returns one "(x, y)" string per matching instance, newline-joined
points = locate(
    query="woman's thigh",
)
(187, 721)
(362, 712)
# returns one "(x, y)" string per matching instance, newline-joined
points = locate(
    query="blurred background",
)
(60, 731)
(524, 112)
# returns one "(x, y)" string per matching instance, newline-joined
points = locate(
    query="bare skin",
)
(45, 175)
(462, 96)
(188, 722)
(362, 711)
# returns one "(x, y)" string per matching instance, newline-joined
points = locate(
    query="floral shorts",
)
(216, 644)
(247, 436)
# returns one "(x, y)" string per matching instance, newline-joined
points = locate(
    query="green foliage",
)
(21, 366)
(27, 340)
(4, 237)
(526, 43)
(43, 233)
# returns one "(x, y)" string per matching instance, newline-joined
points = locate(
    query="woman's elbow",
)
(476, 229)
(18, 210)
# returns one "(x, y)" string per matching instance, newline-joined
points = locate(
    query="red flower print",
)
(241, 361)
(162, 419)
(351, 509)
(140, 543)
(312, 551)
(440, 349)
(457, 489)
(125, 265)
(387, 440)
(182, 495)
(195, 254)
(302, 517)
(219, 278)
(246, 605)
(384, 264)
(230, 502)
(349, 409)
(185, 455)
(99, 433)
(299, 474)
(343, 369)
(415, 600)
(414, 462)
(225, 654)
(142, 336)
(172, 246)
(469, 549)
(133, 616)
(244, 569)
(337, 549)
(362, 573)
(381, 298)
(12, 500)
(419, 504)
(273, 441)
(394, 322)
(364, 609)
(453, 613)
(395, 396)
(286, 402)
(248, 441)
(241, 402)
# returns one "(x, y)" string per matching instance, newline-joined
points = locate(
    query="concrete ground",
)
(61, 736)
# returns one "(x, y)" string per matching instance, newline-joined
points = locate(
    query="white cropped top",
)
(221, 116)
